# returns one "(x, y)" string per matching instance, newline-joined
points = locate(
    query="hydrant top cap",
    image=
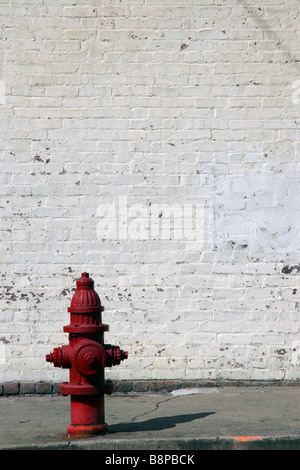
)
(85, 299)
(85, 280)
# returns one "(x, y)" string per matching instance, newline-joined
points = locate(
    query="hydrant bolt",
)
(86, 356)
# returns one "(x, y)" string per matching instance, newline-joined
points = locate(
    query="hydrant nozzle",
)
(86, 356)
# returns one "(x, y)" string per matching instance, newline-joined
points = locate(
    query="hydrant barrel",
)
(86, 356)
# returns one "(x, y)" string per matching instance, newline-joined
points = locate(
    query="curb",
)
(175, 444)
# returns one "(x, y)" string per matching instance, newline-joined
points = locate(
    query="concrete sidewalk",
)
(203, 418)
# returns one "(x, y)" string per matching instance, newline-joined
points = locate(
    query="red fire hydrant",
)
(86, 356)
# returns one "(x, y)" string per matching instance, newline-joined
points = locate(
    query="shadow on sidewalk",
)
(157, 424)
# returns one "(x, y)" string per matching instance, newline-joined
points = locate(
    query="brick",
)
(27, 388)
(43, 388)
(123, 387)
(156, 386)
(140, 386)
(11, 388)
(56, 388)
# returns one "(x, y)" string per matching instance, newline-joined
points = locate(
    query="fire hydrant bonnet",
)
(85, 298)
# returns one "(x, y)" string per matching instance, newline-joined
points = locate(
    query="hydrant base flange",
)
(75, 430)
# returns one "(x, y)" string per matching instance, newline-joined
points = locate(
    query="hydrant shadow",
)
(157, 424)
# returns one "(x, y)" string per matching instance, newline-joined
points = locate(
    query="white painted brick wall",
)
(139, 107)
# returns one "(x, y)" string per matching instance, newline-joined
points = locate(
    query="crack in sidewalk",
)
(152, 410)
